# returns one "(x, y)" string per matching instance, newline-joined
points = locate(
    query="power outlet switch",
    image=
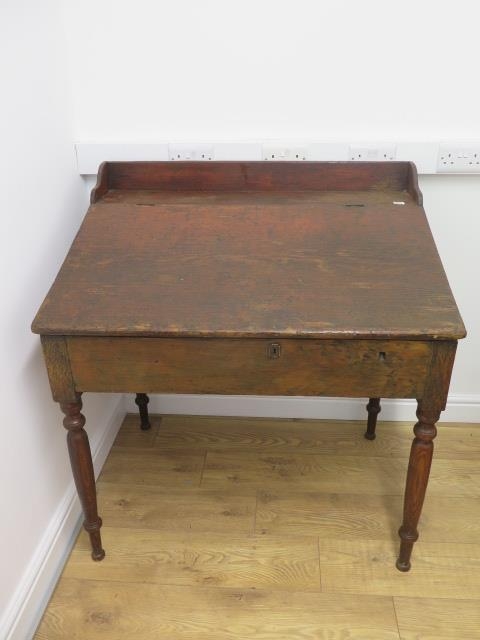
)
(277, 152)
(461, 158)
(372, 152)
(185, 151)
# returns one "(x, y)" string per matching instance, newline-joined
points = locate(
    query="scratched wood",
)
(303, 367)
(58, 368)
(259, 176)
(272, 267)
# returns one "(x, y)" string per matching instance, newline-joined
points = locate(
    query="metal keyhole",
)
(273, 351)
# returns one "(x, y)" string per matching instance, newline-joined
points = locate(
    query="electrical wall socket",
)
(187, 151)
(276, 152)
(461, 158)
(372, 152)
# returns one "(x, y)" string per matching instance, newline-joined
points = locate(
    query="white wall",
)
(217, 69)
(308, 71)
(452, 204)
(42, 200)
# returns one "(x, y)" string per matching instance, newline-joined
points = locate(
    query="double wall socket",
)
(187, 151)
(372, 152)
(461, 158)
(425, 155)
(277, 152)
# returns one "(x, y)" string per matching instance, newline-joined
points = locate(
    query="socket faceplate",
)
(185, 151)
(372, 152)
(278, 152)
(461, 158)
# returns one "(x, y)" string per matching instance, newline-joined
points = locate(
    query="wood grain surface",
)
(328, 437)
(173, 508)
(259, 176)
(215, 559)
(122, 611)
(271, 266)
(443, 569)
(278, 555)
(354, 368)
(438, 618)
(177, 468)
(337, 515)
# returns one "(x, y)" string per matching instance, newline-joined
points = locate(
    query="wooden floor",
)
(235, 528)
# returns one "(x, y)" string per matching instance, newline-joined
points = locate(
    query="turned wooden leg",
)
(82, 467)
(417, 480)
(373, 408)
(142, 401)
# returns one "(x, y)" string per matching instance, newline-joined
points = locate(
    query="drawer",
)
(251, 366)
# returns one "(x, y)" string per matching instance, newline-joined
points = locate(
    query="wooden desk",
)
(287, 278)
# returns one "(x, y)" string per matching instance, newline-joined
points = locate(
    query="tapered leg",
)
(417, 480)
(373, 408)
(142, 401)
(82, 467)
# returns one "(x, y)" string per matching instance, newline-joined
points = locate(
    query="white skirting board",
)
(28, 603)
(460, 408)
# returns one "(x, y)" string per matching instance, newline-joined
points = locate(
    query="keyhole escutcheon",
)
(273, 351)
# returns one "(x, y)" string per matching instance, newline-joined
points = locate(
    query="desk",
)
(275, 278)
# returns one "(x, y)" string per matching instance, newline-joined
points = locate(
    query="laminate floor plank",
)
(342, 474)
(439, 570)
(334, 474)
(179, 468)
(438, 618)
(178, 558)
(327, 515)
(176, 509)
(328, 437)
(335, 515)
(130, 435)
(269, 435)
(96, 610)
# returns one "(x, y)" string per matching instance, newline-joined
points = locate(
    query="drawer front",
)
(301, 367)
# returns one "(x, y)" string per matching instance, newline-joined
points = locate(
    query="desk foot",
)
(373, 408)
(142, 401)
(417, 479)
(403, 566)
(82, 467)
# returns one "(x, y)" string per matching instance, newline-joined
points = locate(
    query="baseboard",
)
(460, 408)
(32, 595)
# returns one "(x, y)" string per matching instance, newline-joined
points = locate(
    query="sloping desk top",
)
(253, 249)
